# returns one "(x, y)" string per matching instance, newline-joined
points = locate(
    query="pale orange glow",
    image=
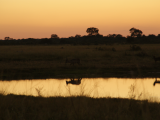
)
(41, 18)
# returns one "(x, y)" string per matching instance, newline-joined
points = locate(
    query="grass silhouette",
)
(79, 107)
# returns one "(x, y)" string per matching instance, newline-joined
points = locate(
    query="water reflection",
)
(156, 81)
(91, 87)
(74, 82)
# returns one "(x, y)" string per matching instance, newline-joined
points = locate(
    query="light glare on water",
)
(90, 87)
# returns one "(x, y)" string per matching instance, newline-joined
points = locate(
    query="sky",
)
(41, 18)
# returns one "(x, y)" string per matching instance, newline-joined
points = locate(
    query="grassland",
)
(76, 108)
(116, 60)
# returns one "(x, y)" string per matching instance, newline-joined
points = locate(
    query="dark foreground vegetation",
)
(14, 107)
(59, 61)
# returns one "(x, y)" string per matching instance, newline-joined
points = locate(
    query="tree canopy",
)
(54, 36)
(135, 32)
(92, 31)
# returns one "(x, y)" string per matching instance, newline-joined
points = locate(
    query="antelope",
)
(156, 59)
(74, 82)
(156, 81)
(73, 61)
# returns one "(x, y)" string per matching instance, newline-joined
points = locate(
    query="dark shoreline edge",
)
(16, 74)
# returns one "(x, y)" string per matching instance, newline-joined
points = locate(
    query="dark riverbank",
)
(14, 74)
(71, 108)
(41, 62)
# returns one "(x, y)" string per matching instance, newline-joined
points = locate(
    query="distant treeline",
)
(84, 40)
(93, 38)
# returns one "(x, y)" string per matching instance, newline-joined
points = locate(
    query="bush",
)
(135, 48)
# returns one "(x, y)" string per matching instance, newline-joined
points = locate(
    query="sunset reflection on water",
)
(90, 87)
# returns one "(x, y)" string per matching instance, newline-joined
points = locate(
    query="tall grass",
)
(52, 58)
(71, 108)
(90, 55)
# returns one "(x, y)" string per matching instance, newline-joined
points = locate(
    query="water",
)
(90, 87)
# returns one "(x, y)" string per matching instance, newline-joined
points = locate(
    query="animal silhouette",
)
(74, 82)
(73, 61)
(156, 59)
(156, 81)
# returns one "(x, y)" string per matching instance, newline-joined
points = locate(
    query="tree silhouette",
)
(135, 32)
(92, 31)
(54, 36)
(151, 36)
(115, 36)
(119, 36)
(7, 38)
(77, 36)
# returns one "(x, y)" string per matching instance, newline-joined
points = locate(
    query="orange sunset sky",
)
(41, 18)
